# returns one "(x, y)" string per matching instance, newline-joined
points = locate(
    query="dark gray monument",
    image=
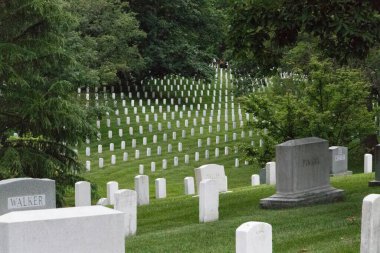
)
(263, 176)
(339, 161)
(19, 194)
(376, 182)
(303, 175)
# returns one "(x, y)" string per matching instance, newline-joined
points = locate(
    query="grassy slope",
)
(124, 172)
(172, 225)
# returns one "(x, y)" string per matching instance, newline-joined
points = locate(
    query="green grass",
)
(171, 225)
(125, 171)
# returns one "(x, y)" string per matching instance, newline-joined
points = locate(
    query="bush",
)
(329, 102)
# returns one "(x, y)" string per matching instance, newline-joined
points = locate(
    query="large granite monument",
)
(303, 175)
(19, 194)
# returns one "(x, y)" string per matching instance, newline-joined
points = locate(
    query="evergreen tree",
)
(182, 36)
(36, 94)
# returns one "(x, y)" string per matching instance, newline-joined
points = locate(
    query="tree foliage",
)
(106, 41)
(182, 36)
(261, 30)
(329, 102)
(36, 99)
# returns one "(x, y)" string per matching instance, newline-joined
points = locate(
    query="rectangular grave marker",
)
(339, 161)
(208, 201)
(20, 194)
(370, 231)
(302, 175)
(61, 231)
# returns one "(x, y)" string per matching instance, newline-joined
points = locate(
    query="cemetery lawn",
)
(171, 225)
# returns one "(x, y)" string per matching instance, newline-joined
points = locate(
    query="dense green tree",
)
(182, 36)
(329, 102)
(106, 41)
(36, 100)
(261, 30)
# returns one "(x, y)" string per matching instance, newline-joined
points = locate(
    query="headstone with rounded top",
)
(126, 202)
(254, 237)
(212, 171)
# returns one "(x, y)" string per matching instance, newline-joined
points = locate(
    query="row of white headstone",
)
(192, 91)
(174, 114)
(164, 139)
(160, 126)
(166, 87)
(83, 193)
(150, 86)
(180, 96)
(159, 149)
(196, 108)
(181, 110)
(177, 122)
(101, 163)
(174, 134)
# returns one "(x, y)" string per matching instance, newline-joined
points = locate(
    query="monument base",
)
(374, 183)
(346, 173)
(279, 201)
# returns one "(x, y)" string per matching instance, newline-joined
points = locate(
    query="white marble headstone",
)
(189, 186)
(370, 227)
(212, 171)
(208, 201)
(160, 184)
(82, 193)
(126, 202)
(142, 189)
(270, 169)
(112, 187)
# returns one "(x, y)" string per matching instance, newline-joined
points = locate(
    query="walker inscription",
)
(26, 201)
(19, 194)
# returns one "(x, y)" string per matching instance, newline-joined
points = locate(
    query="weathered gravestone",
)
(370, 225)
(376, 182)
(270, 170)
(126, 202)
(19, 194)
(254, 237)
(303, 175)
(211, 171)
(339, 161)
(263, 176)
(255, 180)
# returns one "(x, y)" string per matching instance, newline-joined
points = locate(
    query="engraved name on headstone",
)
(19, 194)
